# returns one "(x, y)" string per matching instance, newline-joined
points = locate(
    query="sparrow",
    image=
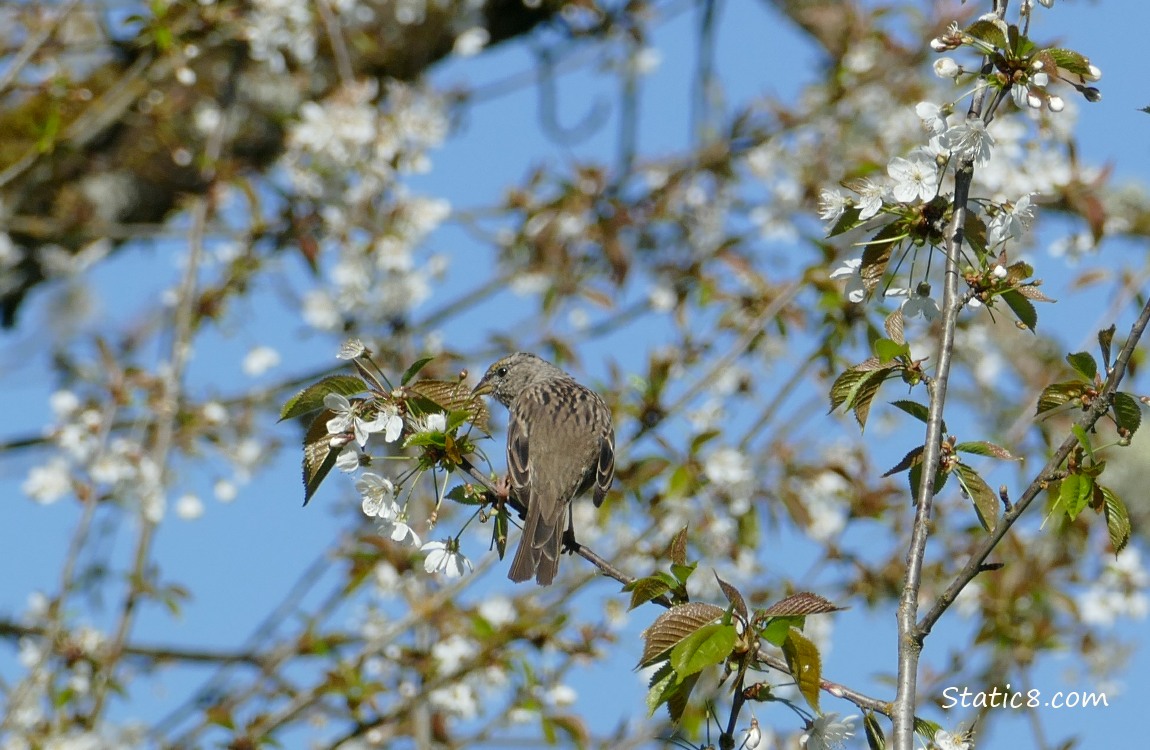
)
(560, 444)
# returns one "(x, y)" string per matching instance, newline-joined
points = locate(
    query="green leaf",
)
(875, 739)
(979, 492)
(1068, 59)
(467, 494)
(864, 396)
(499, 532)
(1075, 493)
(847, 221)
(887, 350)
(1084, 364)
(1127, 412)
(673, 626)
(1058, 394)
(318, 455)
(1022, 308)
(677, 549)
(1083, 440)
(805, 664)
(706, 647)
(984, 448)
(911, 459)
(989, 31)
(683, 572)
(311, 398)
(665, 687)
(921, 412)
(644, 590)
(777, 628)
(1117, 520)
(446, 396)
(975, 233)
(412, 371)
(914, 479)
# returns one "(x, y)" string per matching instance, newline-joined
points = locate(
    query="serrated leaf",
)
(801, 604)
(644, 590)
(805, 664)
(988, 30)
(875, 739)
(911, 459)
(1032, 292)
(734, 597)
(1105, 344)
(1083, 363)
(847, 221)
(875, 259)
(673, 626)
(975, 233)
(1068, 59)
(1057, 394)
(1127, 412)
(921, 412)
(914, 479)
(665, 688)
(1075, 493)
(864, 395)
(412, 371)
(1022, 308)
(683, 572)
(926, 728)
(318, 455)
(893, 325)
(1079, 433)
(449, 396)
(979, 492)
(775, 632)
(706, 647)
(677, 549)
(984, 448)
(887, 350)
(311, 398)
(467, 494)
(1117, 520)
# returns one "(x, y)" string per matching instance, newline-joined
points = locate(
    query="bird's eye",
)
(501, 372)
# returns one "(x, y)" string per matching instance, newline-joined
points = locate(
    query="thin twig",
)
(1091, 415)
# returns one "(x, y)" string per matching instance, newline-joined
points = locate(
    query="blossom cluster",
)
(352, 426)
(348, 154)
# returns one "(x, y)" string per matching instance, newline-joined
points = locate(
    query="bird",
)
(560, 445)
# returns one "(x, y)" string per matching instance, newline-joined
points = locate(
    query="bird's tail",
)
(538, 552)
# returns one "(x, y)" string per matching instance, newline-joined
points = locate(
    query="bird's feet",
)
(570, 546)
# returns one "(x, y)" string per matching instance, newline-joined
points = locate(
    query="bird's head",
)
(507, 378)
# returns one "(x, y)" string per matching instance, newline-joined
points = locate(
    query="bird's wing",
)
(605, 468)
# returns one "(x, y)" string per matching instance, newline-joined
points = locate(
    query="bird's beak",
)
(482, 388)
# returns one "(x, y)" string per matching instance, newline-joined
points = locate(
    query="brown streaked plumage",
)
(560, 444)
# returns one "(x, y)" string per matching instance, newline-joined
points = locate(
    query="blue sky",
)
(240, 558)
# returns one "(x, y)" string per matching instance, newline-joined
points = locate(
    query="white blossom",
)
(49, 482)
(944, 740)
(849, 269)
(378, 496)
(832, 204)
(969, 139)
(826, 732)
(397, 530)
(444, 557)
(913, 179)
